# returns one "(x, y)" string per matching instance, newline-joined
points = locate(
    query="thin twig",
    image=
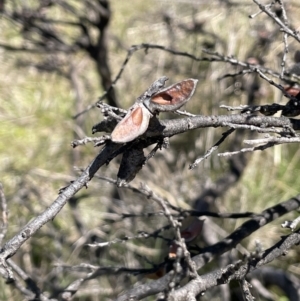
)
(4, 211)
(284, 27)
(212, 149)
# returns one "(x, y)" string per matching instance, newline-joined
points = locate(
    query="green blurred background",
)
(37, 127)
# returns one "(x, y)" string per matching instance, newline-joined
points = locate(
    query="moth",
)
(188, 234)
(156, 99)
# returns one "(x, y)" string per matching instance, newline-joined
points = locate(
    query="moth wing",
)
(193, 230)
(134, 124)
(189, 234)
(174, 96)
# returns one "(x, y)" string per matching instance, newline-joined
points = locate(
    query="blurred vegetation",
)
(37, 127)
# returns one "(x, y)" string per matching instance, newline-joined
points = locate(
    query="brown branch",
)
(11, 247)
(168, 128)
(209, 253)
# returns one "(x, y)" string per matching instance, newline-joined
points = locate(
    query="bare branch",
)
(4, 213)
